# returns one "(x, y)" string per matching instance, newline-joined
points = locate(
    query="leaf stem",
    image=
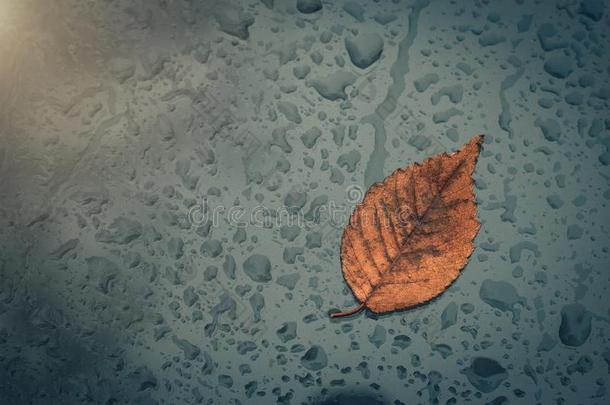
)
(348, 312)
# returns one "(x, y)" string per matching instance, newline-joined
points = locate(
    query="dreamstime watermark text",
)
(327, 212)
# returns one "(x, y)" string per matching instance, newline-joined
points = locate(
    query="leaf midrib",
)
(415, 229)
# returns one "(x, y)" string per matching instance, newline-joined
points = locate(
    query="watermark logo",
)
(355, 194)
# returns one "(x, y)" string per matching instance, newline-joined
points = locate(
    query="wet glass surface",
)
(176, 176)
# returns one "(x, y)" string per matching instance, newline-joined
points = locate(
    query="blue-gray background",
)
(122, 120)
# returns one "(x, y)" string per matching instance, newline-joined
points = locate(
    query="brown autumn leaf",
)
(412, 234)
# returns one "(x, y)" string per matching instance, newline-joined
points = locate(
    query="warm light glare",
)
(11, 12)
(5, 21)
(4, 13)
